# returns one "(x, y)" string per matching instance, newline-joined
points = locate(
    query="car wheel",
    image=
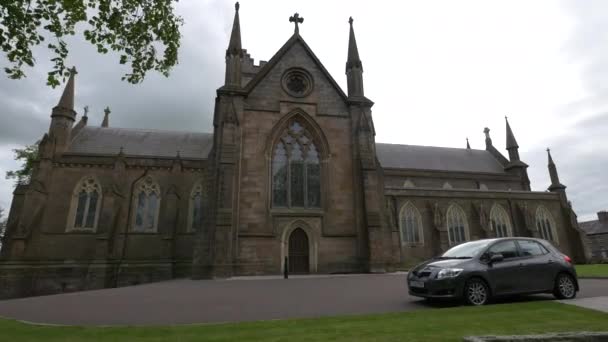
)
(565, 287)
(476, 292)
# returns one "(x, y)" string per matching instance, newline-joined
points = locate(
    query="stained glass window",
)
(85, 205)
(296, 173)
(410, 224)
(499, 219)
(148, 204)
(457, 225)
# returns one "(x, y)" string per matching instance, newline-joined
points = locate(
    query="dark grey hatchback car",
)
(478, 270)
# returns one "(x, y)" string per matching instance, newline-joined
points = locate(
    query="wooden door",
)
(298, 252)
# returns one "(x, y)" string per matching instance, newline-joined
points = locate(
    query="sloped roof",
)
(437, 158)
(594, 227)
(142, 142)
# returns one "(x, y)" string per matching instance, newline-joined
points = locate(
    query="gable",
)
(267, 90)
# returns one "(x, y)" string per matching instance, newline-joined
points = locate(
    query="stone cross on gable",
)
(296, 19)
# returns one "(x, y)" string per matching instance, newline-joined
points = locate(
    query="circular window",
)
(297, 82)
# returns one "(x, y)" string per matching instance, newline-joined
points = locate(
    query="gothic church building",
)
(290, 177)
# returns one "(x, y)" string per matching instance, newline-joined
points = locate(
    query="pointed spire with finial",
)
(511, 142)
(67, 98)
(468, 145)
(353, 59)
(354, 67)
(512, 146)
(555, 186)
(63, 116)
(234, 53)
(234, 47)
(106, 117)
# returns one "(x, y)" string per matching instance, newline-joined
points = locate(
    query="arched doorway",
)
(298, 252)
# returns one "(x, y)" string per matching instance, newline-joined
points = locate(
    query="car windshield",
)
(466, 250)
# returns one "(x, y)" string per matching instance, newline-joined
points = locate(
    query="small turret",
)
(63, 116)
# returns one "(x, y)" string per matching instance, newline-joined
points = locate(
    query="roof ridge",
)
(144, 130)
(443, 147)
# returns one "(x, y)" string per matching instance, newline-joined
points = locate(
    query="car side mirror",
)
(496, 258)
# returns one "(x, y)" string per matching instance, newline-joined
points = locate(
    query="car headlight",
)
(449, 273)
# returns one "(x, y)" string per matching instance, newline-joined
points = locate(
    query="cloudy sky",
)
(438, 71)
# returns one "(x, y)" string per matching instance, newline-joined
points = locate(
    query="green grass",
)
(597, 270)
(446, 324)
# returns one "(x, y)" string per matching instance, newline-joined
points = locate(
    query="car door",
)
(539, 266)
(504, 276)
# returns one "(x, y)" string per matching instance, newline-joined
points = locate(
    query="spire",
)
(555, 186)
(234, 53)
(234, 47)
(354, 68)
(468, 145)
(511, 142)
(63, 116)
(67, 98)
(106, 117)
(512, 146)
(353, 53)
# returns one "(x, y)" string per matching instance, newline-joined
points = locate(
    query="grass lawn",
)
(596, 270)
(447, 324)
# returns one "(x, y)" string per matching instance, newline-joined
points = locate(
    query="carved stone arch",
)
(314, 237)
(499, 216)
(308, 122)
(86, 193)
(408, 208)
(455, 216)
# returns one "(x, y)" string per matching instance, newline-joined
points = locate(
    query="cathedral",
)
(290, 178)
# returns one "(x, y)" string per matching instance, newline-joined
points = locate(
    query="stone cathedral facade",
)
(291, 176)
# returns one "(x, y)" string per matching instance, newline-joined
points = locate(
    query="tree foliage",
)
(28, 156)
(3, 222)
(145, 33)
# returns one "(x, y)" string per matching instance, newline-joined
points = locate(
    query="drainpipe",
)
(127, 230)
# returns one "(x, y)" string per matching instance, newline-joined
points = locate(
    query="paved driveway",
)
(243, 299)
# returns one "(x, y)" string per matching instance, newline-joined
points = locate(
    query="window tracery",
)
(147, 204)
(296, 170)
(85, 206)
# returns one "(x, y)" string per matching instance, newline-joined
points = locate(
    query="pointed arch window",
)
(458, 229)
(146, 199)
(410, 225)
(546, 224)
(499, 221)
(85, 205)
(195, 216)
(296, 170)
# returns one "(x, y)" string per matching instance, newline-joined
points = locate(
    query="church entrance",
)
(298, 252)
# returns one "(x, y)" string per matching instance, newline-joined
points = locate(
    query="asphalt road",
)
(242, 299)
